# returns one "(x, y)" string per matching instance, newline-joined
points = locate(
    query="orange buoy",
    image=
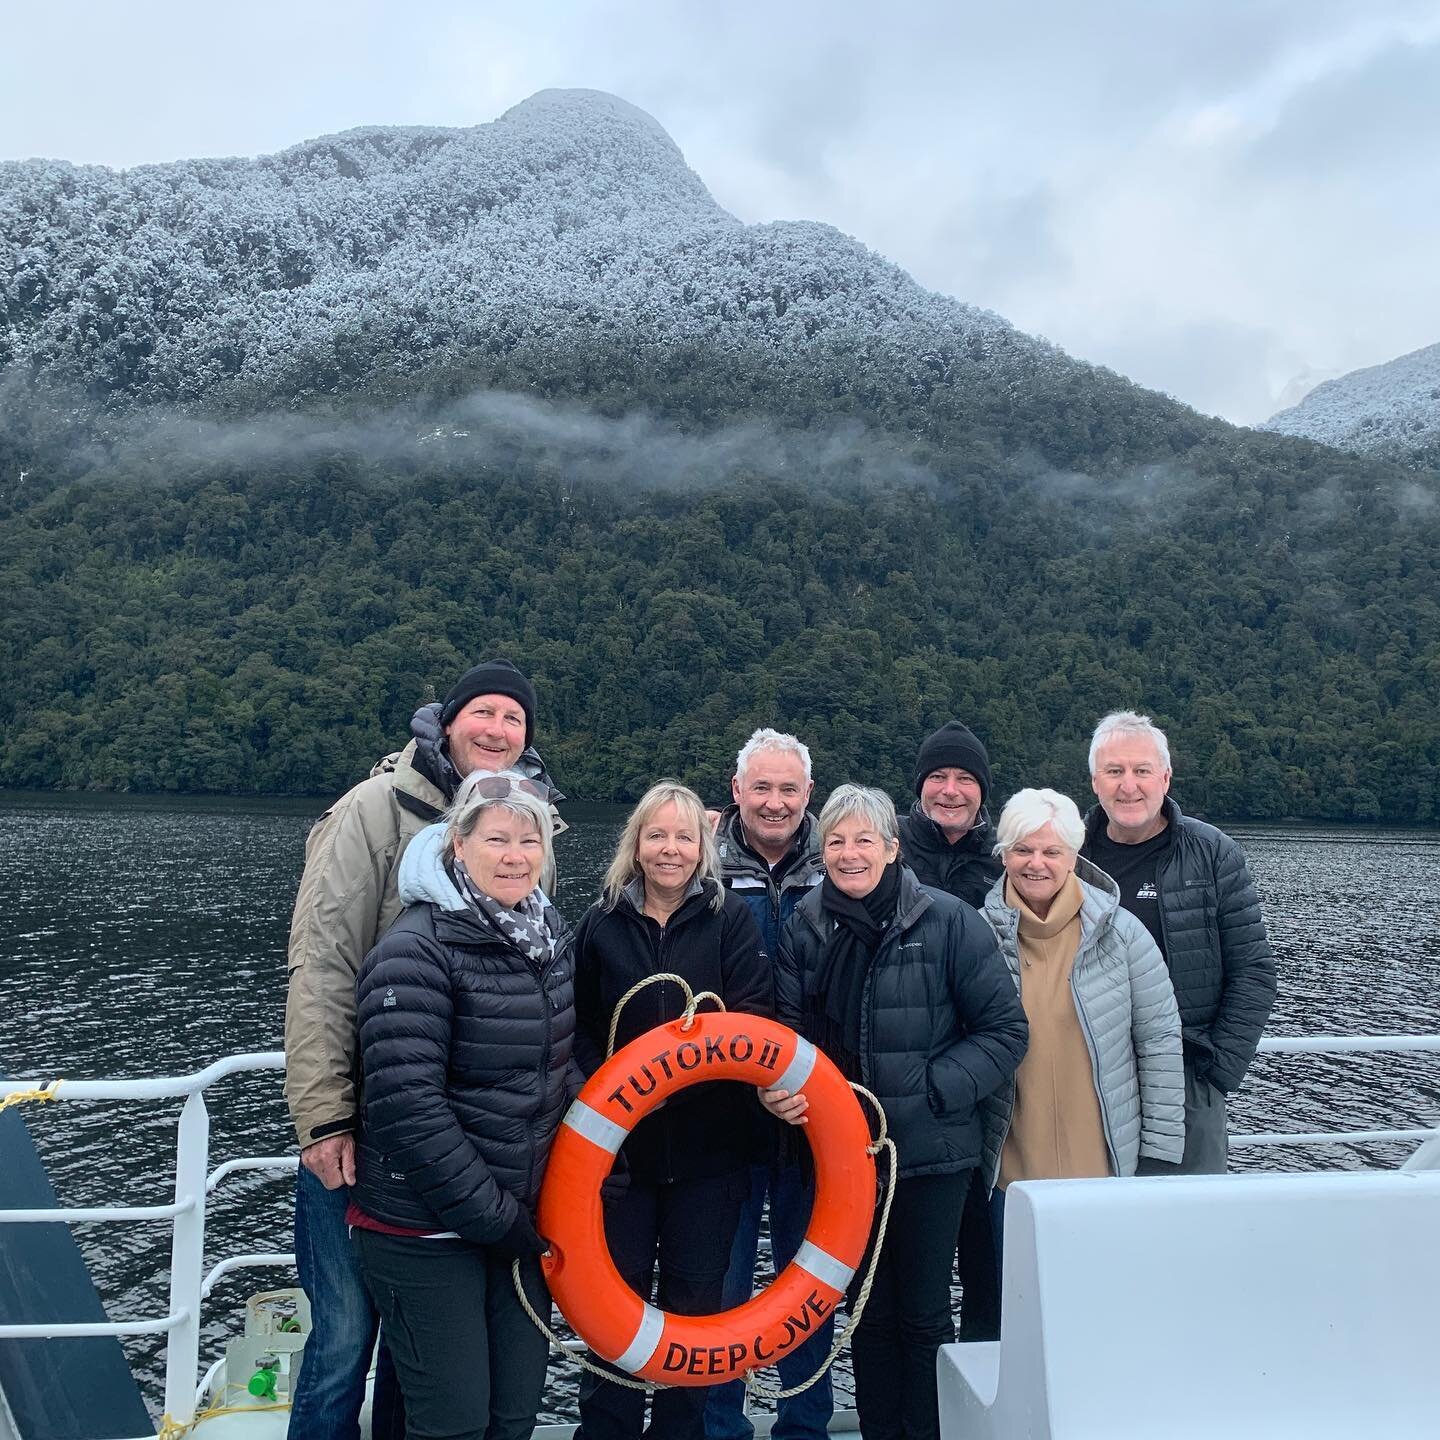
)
(612, 1319)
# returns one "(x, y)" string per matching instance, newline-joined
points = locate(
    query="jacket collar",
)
(632, 899)
(912, 902)
(738, 858)
(978, 839)
(1095, 818)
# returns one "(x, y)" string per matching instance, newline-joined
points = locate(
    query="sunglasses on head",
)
(501, 787)
(498, 787)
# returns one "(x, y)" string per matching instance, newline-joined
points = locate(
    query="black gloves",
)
(520, 1241)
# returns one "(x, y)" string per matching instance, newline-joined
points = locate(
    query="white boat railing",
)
(190, 1285)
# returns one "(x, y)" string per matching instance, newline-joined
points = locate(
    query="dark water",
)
(148, 938)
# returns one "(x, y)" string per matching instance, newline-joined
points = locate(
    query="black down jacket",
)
(967, 869)
(1216, 948)
(707, 1129)
(942, 1026)
(466, 1050)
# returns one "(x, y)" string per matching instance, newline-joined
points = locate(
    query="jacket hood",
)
(429, 760)
(423, 876)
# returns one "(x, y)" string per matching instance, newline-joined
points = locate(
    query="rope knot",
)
(36, 1096)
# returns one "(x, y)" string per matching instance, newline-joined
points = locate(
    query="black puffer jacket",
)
(1216, 948)
(466, 1048)
(942, 1026)
(967, 869)
(708, 1129)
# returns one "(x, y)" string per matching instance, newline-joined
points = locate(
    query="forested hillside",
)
(255, 609)
(712, 477)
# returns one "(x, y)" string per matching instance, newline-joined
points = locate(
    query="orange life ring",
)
(612, 1319)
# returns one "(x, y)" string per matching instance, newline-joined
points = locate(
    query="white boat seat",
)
(1264, 1305)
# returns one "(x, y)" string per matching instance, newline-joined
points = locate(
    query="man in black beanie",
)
(348, 897)
(948, 841)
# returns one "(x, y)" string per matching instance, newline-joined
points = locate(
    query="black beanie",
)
(954, 746)
(492, 677)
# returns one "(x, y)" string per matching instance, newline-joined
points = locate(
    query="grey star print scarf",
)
(532, 928)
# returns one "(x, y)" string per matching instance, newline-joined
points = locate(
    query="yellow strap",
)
(172, 1429)
(22, 1097)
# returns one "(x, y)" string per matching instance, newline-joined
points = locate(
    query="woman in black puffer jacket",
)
(466, 1012)
(685, 1170)
(904, 989)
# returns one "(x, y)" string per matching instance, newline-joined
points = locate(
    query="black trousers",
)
(688, 1227)
(975, 1257)
(907, 1318)
(470, 1362)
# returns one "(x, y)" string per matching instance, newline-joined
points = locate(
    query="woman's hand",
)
(785, 1106)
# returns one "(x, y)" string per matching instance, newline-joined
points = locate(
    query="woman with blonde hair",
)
(1102, 1082)
(684, 1172)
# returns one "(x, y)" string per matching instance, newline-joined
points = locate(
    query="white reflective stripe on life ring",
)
(595, 1127)
(797, 1072)
(824, 1267)
(647, 1337)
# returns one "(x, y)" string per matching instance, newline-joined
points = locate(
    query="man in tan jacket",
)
(347, 899)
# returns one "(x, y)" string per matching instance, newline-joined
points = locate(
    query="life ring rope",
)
(882, 1141)
(687, 1017)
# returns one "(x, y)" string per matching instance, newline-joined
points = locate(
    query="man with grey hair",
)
(770, 856)
(1188, 883)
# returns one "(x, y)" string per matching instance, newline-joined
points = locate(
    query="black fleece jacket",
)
(709, 1129)
(966, 869)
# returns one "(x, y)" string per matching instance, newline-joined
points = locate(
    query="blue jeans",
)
(804, 1416)
(343, 1324)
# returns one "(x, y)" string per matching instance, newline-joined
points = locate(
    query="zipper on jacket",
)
(548, 1006)
(1094, 1050)
(661, 951)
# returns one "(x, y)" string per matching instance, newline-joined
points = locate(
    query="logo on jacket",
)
(389, 999)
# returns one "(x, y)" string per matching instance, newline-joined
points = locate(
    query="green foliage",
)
(182, 619)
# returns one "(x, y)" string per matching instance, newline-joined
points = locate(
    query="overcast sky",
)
(1216, 197)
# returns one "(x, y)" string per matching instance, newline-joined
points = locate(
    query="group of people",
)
(1051, 996)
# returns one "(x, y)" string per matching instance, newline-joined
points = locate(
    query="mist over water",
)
(147, 937)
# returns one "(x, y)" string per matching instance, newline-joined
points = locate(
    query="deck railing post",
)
(187, 1259)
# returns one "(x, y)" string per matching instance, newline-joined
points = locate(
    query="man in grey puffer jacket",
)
(1189, 884)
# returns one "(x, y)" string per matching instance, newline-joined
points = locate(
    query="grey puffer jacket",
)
(1216, 947)
(1127, 1012)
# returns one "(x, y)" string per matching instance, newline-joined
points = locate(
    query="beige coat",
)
(348, 898)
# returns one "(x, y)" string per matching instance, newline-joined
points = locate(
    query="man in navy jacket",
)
(769, 856)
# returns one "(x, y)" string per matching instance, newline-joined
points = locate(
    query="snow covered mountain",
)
(570, 222)
(1391, 410)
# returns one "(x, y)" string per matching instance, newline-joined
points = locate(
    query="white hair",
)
(768, 739)
(874, 807)
(1027, 811)
(1123, 723)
